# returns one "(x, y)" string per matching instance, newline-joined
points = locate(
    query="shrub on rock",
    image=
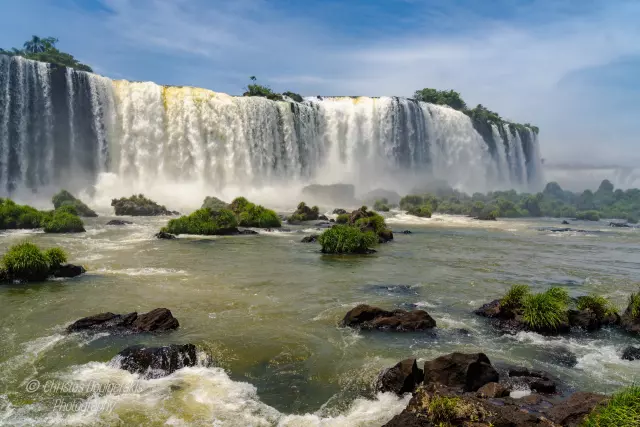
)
(251, 215)
(423, 211)
(138, 205)
(26, 262)
(381, 205)
(203, 222)
(64, 198)
(631, 318)
(344, 239)
(14, 216)
(63, 221)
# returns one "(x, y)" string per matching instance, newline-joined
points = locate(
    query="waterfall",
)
(61, 127)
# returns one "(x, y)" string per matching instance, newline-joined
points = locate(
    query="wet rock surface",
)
(156, 362)
(119, 222)
(68, 271)
(310, 239)
(158, 320)
(368, 317)
(402, 378)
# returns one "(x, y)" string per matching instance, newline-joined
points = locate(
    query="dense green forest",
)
(455, 101)
(44, 49)
(553, 201)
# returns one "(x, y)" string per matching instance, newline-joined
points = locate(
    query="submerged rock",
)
(407, 232)
(164, 235)
(631, 353)
(565, 222)
(402, 378)
(156, 362)
(247, 232)
(158, 320)
(466, 371)
(310, 239)
(69, 270)
(119, 222)
(368, 317)
(619, 224)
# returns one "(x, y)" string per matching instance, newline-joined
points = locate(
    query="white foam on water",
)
(425, 304)
(198, 395)
(145, 271)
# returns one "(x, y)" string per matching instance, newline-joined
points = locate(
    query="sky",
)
(570, 67)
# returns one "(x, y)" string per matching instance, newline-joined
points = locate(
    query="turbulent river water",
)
(265, 310)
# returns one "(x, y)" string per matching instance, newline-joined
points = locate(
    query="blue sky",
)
(570, 67)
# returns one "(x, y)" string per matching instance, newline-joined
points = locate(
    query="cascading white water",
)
(61, 127)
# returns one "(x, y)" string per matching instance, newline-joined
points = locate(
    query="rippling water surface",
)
(265, 309)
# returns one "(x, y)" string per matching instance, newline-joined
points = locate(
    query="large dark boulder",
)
(156, 362)
(68, 270)
(310, 239)
(368, 317)
(402, 378)
(460, 370)
(631, 353)
(158, 320)
(572, 411)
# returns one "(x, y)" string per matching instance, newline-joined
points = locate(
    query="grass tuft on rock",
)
(25, 261)
(64, 198)
(56, 257)
(547, 310)
(598, 304)
(344, 239)
(14, 216)
(515, 296)
(443, 410)
(251, 215)
(62, 221)
(622, 410)
(634, 305)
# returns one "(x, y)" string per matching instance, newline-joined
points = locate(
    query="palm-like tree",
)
(38, 45)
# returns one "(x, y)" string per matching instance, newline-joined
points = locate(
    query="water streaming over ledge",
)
(64, 127)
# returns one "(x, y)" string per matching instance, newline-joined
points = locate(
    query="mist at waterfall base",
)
(104, 139)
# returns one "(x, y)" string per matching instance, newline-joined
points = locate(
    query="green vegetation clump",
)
(259, 216)
(138, 205)
(423, 211)
(44, 49)
(598, 304)
(14, 216)
(552, 202)
(64, 198)
(588, 215)
(622, 410)
(515, 296)
(25, 261)
(204, 222)
(345, 239)
(56, 257)
(63, 221)
(251, 215)
(547, 310)
(343, 219)
(214, 203)
(381, 205)
(443, 410)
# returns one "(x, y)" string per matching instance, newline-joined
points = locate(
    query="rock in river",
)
(402, 378)
(368, 317)
(461, 370)
(68, 270)
(156, 362)
(158, 320)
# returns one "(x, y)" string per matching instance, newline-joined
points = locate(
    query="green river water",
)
(265, 310)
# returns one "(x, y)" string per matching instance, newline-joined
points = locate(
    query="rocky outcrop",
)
(138, 205)
(572, 411)
(156, 362)
(304, 213)
(588, 320)
(310, 239)
(164, 235)
(158, 320)
(367, 317)
(402, 378)
(493, 390)
(619, 224)
(68, 271)
(631, 353)
(468, 372)
(119, 222)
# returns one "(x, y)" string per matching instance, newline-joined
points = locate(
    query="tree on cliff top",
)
(44, 49)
